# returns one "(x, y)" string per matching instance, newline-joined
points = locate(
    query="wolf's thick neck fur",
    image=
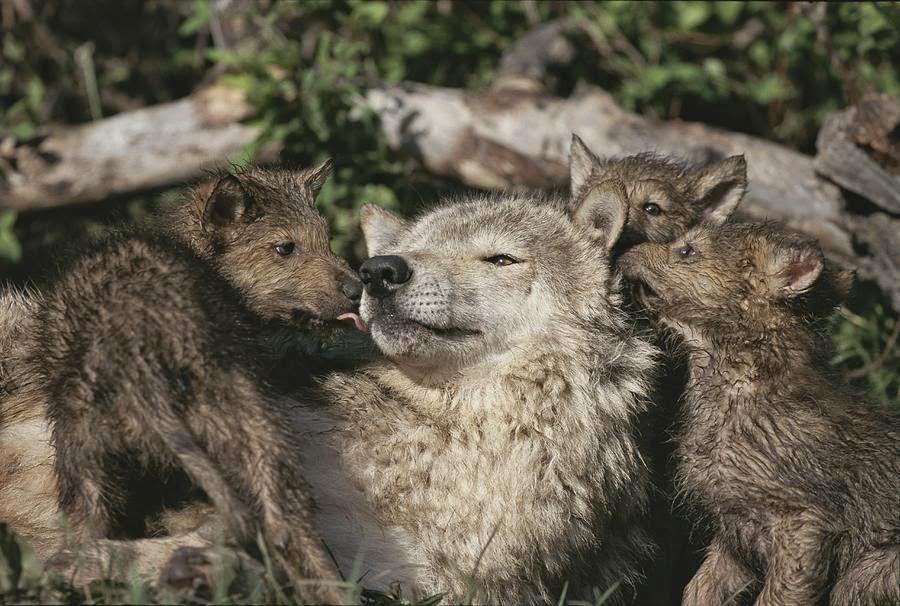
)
(510, 476)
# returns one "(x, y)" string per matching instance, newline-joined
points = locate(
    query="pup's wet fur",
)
(795, 473)
(151, 355)
(664, 199)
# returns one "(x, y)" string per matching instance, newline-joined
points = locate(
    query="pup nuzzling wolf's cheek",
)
(664, 198)
(499, 432)
(796, 475)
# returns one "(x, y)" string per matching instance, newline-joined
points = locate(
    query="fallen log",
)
(858, 149)
(514, 135)
(132, 151)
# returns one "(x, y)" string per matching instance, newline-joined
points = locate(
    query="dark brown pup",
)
(152, 355)
(796, 474)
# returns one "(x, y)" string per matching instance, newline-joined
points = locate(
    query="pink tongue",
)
(356, 321)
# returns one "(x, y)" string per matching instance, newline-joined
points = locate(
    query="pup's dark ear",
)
(228, 203)
(381, 228)
(720, 187)
(581, 165)
(796, 266)
(315, 177)
(603, 209)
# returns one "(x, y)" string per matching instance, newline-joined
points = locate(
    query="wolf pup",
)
(664, 197)
(797, 475)
(499, 430)
(150, 356)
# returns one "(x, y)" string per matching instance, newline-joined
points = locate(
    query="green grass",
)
(864, 334)
(23, 580)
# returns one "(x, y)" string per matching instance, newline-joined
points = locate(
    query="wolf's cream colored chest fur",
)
(503, 479)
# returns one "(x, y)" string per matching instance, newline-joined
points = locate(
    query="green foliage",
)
(864, 341)
(10, 249)
(766, 68)
(43, 75)
(772, 70)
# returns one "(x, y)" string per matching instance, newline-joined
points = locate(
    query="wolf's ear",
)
(720, 187)
(381, 228)
(315, 178)
(581, 165)
(796, 266)
(228, 203)
(604, 211)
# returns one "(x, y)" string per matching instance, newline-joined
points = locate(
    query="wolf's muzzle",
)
(383, 274)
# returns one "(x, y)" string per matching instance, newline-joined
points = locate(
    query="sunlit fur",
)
(499, 431)
(796, 474)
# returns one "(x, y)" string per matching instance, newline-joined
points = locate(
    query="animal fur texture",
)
(796, 474)
(150, 355)
(498, 432)
(664, 199)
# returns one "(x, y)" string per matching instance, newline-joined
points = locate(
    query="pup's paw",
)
(210, 574)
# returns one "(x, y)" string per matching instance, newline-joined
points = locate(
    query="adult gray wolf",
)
(491, 452)
(498, 431)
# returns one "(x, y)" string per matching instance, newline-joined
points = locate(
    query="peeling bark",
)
(859, 149)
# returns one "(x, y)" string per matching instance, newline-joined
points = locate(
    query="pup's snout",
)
(352, 289)
(383, 274)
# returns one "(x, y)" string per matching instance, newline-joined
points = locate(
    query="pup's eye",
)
(284, 249)
(686, 251)
(652, 209)
(501, 260)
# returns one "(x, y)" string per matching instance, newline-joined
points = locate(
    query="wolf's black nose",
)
(383, 274)
(352, 289)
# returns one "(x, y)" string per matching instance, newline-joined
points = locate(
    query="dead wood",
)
(859, 149)
(131, 151)
(514, 135)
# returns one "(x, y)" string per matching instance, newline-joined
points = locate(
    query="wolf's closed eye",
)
(501, 260)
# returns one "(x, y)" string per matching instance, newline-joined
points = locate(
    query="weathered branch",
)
(514, 135)
(131, 151)
(855, 149)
